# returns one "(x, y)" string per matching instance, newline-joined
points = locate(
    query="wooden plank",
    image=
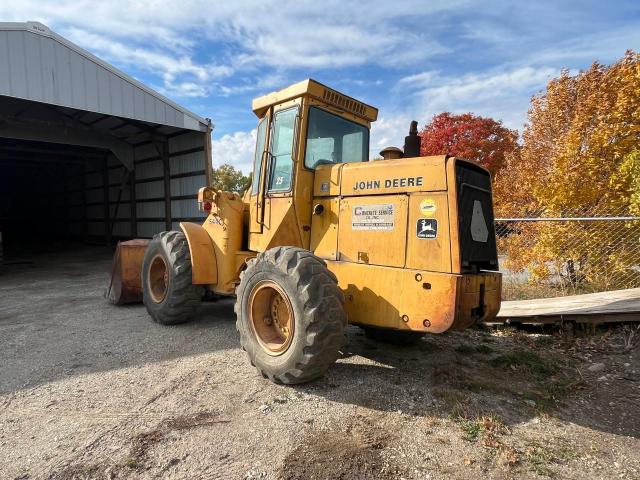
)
(613, 306)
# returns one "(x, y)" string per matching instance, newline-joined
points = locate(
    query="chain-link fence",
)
(548, 254)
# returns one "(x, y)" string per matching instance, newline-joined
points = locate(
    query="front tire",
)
(167, 291)
(290, 315)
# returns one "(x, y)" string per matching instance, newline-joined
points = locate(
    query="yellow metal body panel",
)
(324, 229)
(204, 270)
(280, 226)
(427, 253)
(373, 229)
(422, 301)
(406, 175)
(224, 227)
(327, 180)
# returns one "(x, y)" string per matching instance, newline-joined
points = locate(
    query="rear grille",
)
(475, 219)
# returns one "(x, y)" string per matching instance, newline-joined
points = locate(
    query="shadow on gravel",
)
(479, 374)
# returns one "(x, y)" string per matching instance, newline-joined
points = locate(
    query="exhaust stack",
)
(412, 142)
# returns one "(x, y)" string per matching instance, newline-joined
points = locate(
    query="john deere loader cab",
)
(300, 128)
(401, 247)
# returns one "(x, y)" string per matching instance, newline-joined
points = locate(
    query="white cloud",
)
(503, 94)
(258, 32)
(388, 131)
(180, 75)
(236, 149)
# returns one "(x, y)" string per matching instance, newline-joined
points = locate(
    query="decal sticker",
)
(427, 228)
(428, 207)
(324, 187)
(373, 217)
(479, 230)
(402, 182)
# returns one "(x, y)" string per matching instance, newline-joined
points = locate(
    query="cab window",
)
(257, 161)
(333, 139)
(282, 150)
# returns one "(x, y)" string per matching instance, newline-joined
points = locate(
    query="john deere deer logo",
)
(427, 228)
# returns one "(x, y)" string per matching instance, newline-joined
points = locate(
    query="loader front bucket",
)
(125, 285)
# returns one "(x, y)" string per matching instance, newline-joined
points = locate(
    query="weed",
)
(486, 349)
(528, 360)
(545, 341)
(471, 430)
(449, 396)
(539, 457)
(132, 463)
(465, 349)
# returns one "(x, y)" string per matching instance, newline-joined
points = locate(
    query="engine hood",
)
(421, 174)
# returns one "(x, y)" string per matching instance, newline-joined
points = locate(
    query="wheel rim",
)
(158, 279)
(271, 317)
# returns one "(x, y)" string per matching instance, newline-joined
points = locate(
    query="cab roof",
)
(319, 91)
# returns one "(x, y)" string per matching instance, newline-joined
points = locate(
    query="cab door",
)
(256, 202)
(280, 224)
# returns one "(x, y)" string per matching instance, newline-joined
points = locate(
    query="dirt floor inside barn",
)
(89, 390)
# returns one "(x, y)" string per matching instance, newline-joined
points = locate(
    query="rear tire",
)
(290, 315)
(167, 291)
(395, 337)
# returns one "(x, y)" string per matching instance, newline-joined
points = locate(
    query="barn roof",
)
(45, 67)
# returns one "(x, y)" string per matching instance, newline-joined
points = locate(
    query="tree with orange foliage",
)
(580, 154)
(469, 136)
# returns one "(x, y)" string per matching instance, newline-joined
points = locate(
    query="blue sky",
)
(411, 59)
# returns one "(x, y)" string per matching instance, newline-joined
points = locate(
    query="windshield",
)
(333, 139)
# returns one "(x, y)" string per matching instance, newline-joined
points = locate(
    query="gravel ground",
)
(89, 390)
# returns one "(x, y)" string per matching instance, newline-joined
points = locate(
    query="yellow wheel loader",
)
(401, 247)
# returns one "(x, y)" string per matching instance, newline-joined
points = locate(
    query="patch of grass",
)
(555, 390)
(471, 430)
(458, 378)
(528, 360)
(132, 463)
(449, 396)
(479, 426)
(539, 458)
(465, 349)
(486, 349)
(545, 341)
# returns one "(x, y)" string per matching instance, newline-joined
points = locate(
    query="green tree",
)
(229, 179)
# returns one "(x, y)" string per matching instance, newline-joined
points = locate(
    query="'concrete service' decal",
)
(373, 217)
